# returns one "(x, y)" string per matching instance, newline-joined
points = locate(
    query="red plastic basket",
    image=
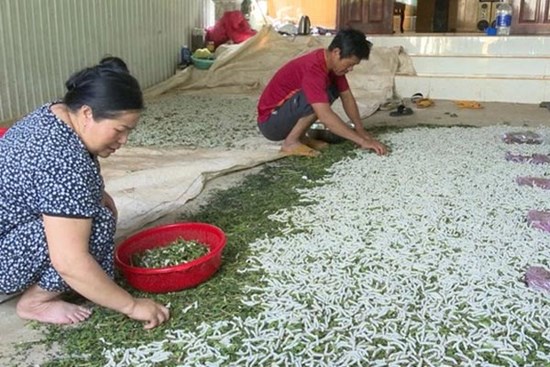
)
(3, 131)
(171, 278)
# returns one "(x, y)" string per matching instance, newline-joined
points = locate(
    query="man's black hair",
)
(351, 42)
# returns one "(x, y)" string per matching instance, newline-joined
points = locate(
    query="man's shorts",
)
(283, 118)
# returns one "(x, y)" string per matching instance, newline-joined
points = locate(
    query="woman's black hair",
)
(115, 63)
(107, 88)
(351, 42)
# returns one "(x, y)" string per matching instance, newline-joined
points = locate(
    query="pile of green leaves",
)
(175, 253)
(242, 213)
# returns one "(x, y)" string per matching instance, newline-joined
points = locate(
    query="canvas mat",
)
(148, 184)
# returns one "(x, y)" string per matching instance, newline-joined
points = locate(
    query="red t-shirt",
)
(308, 73)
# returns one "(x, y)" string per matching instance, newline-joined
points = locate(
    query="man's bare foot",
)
(299, 149)
(314, 143)
(40, 305)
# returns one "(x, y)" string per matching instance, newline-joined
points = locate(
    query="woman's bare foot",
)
(299, 149)
(40, 305)
(314, 143)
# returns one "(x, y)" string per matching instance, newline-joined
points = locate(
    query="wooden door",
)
(437, 16)
(369, 16)
(530, 17)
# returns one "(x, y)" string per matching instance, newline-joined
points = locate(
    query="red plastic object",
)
(231, 26)
(172, 278)
(3, 131)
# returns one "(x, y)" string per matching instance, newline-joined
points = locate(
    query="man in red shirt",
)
(302, 91)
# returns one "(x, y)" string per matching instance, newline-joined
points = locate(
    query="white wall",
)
(42, 42)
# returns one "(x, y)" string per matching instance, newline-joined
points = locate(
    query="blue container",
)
(491, 31)
(185, 57)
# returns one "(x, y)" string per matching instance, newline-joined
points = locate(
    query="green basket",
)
(202, 63)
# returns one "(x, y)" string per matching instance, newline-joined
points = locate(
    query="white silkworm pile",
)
(191, 121)
(413, 259)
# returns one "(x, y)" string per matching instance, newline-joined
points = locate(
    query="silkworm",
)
(400, 259)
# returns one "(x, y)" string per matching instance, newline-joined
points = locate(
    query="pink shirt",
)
(308, 73)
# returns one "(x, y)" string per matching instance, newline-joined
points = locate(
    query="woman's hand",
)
(70, 256)
(152, 313)
(108, 202)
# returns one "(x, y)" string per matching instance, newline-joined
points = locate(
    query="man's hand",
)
(375, 145)
(362, 132)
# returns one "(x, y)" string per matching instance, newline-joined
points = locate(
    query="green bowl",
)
(202, 63)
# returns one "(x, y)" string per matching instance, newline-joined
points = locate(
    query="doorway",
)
(321, 14)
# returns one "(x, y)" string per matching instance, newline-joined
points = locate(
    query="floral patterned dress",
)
(46, 169)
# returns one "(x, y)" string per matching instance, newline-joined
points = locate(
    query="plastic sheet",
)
(534, 158)
(539, 219)
(538, 278)
(543, 183)
(522, 137)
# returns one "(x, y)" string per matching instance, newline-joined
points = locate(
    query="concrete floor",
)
(446, 113)
(443, 113)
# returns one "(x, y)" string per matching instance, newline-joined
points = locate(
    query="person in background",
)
(302, 91)
(57, 223)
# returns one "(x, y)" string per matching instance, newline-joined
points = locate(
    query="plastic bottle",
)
(198, 36)
(503, 18)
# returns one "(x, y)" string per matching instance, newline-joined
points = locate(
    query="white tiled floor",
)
(512, 67)
(475, 67)
(471, 44)
(479, 89)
